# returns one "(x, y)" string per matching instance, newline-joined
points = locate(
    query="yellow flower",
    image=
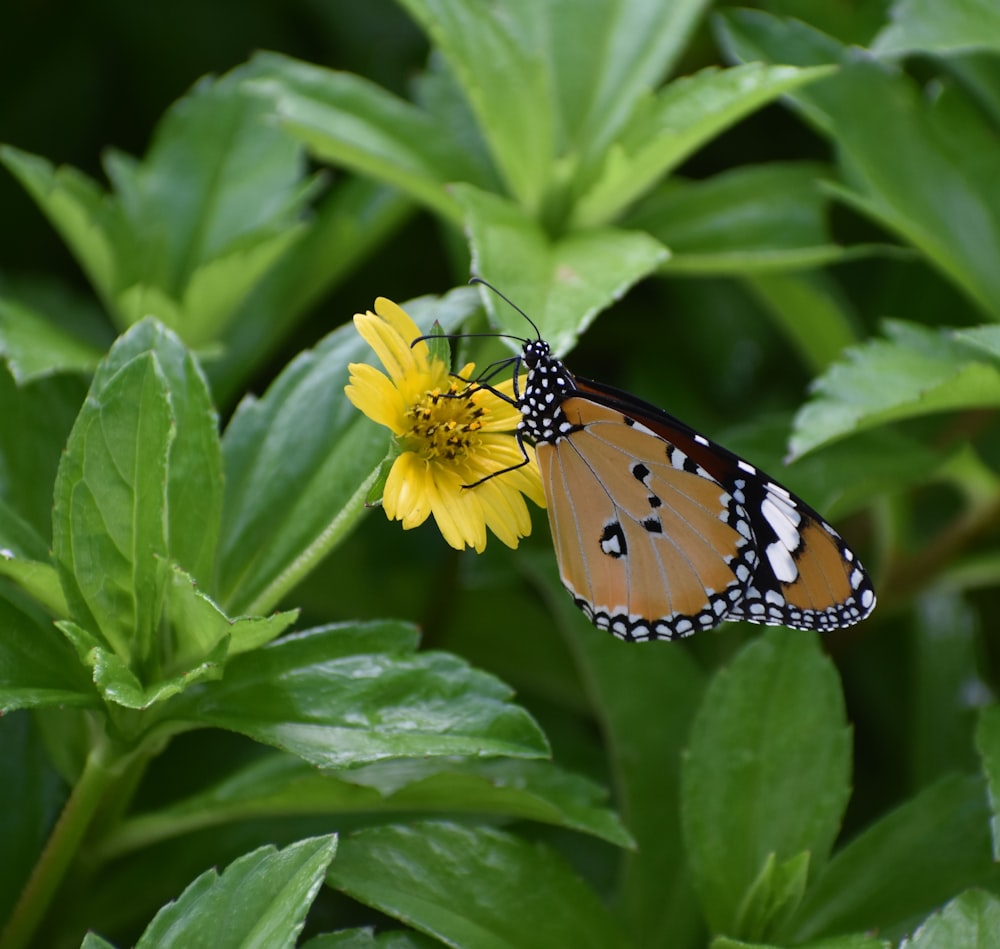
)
(450, 434)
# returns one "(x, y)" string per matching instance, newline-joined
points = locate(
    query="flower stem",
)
(63, 844)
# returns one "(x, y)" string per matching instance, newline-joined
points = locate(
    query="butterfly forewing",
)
(659, 532)
(656, 557)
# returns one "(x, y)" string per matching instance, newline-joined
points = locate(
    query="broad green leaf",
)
(562, 285)
(904, 865)
(214, 291)
(110, 518)
(628, 688)
(340, 696)
(755, 219)
(37, 668)
(258, 900)
(893, 140)
(284, 785)
(988, 745)
(472, 886)
(37, 419)
(291, 497)
(914, 371)
(752, 785)
(927, 26)
(500, 59)
(677, 121)
(352, 122)
(971, 920)
(620, 52)
(194, 486)
(33, 346)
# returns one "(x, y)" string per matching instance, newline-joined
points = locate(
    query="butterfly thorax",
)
(548, 383)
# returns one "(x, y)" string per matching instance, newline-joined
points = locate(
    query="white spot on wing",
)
(781, 562)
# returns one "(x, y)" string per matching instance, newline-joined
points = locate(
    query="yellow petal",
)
(405, 496)
(374, 394)
(505, 512)
(457, 512)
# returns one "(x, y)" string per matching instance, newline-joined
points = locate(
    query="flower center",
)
(445, 424)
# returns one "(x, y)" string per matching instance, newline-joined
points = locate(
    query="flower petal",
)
(458, 513)
(374, 394)
(405, 496)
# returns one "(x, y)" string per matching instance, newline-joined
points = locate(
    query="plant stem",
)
(63, 844)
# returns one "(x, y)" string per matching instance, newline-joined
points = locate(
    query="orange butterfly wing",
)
(660, 532)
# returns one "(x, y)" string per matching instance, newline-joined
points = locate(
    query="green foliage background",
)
(781, 224)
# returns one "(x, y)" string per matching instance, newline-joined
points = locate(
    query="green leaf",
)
(31, 794)
(946, 685)
(119, 685)
(30, 453)
(93, 941)
(186, 234)
(926, 26)
(345, 227)
(486, 48)
(838, 942)
(986, 338)
(199, 625)
(194, 485)
(352, 122)
(915, 371)
(366, 939)
(811, 310)
(340, 696)
(39, 580)
(74, 204)
(561, 285)
(37, 668)
(752, 785)
(460, 883)
(988, 745)
(893, 140)
(971, 920)
(904, 865)
(284, 785)
(774, 895)
(754, 219)
(110, 518)
(291, 498)
(620, 52)
(629, 687)
(33, 346)
(677, 121)
(260, 899)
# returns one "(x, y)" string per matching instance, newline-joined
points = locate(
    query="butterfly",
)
(659, 532)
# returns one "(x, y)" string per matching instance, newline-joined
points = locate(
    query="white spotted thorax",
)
(652, 504)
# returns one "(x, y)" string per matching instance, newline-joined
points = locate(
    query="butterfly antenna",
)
(510, 303)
